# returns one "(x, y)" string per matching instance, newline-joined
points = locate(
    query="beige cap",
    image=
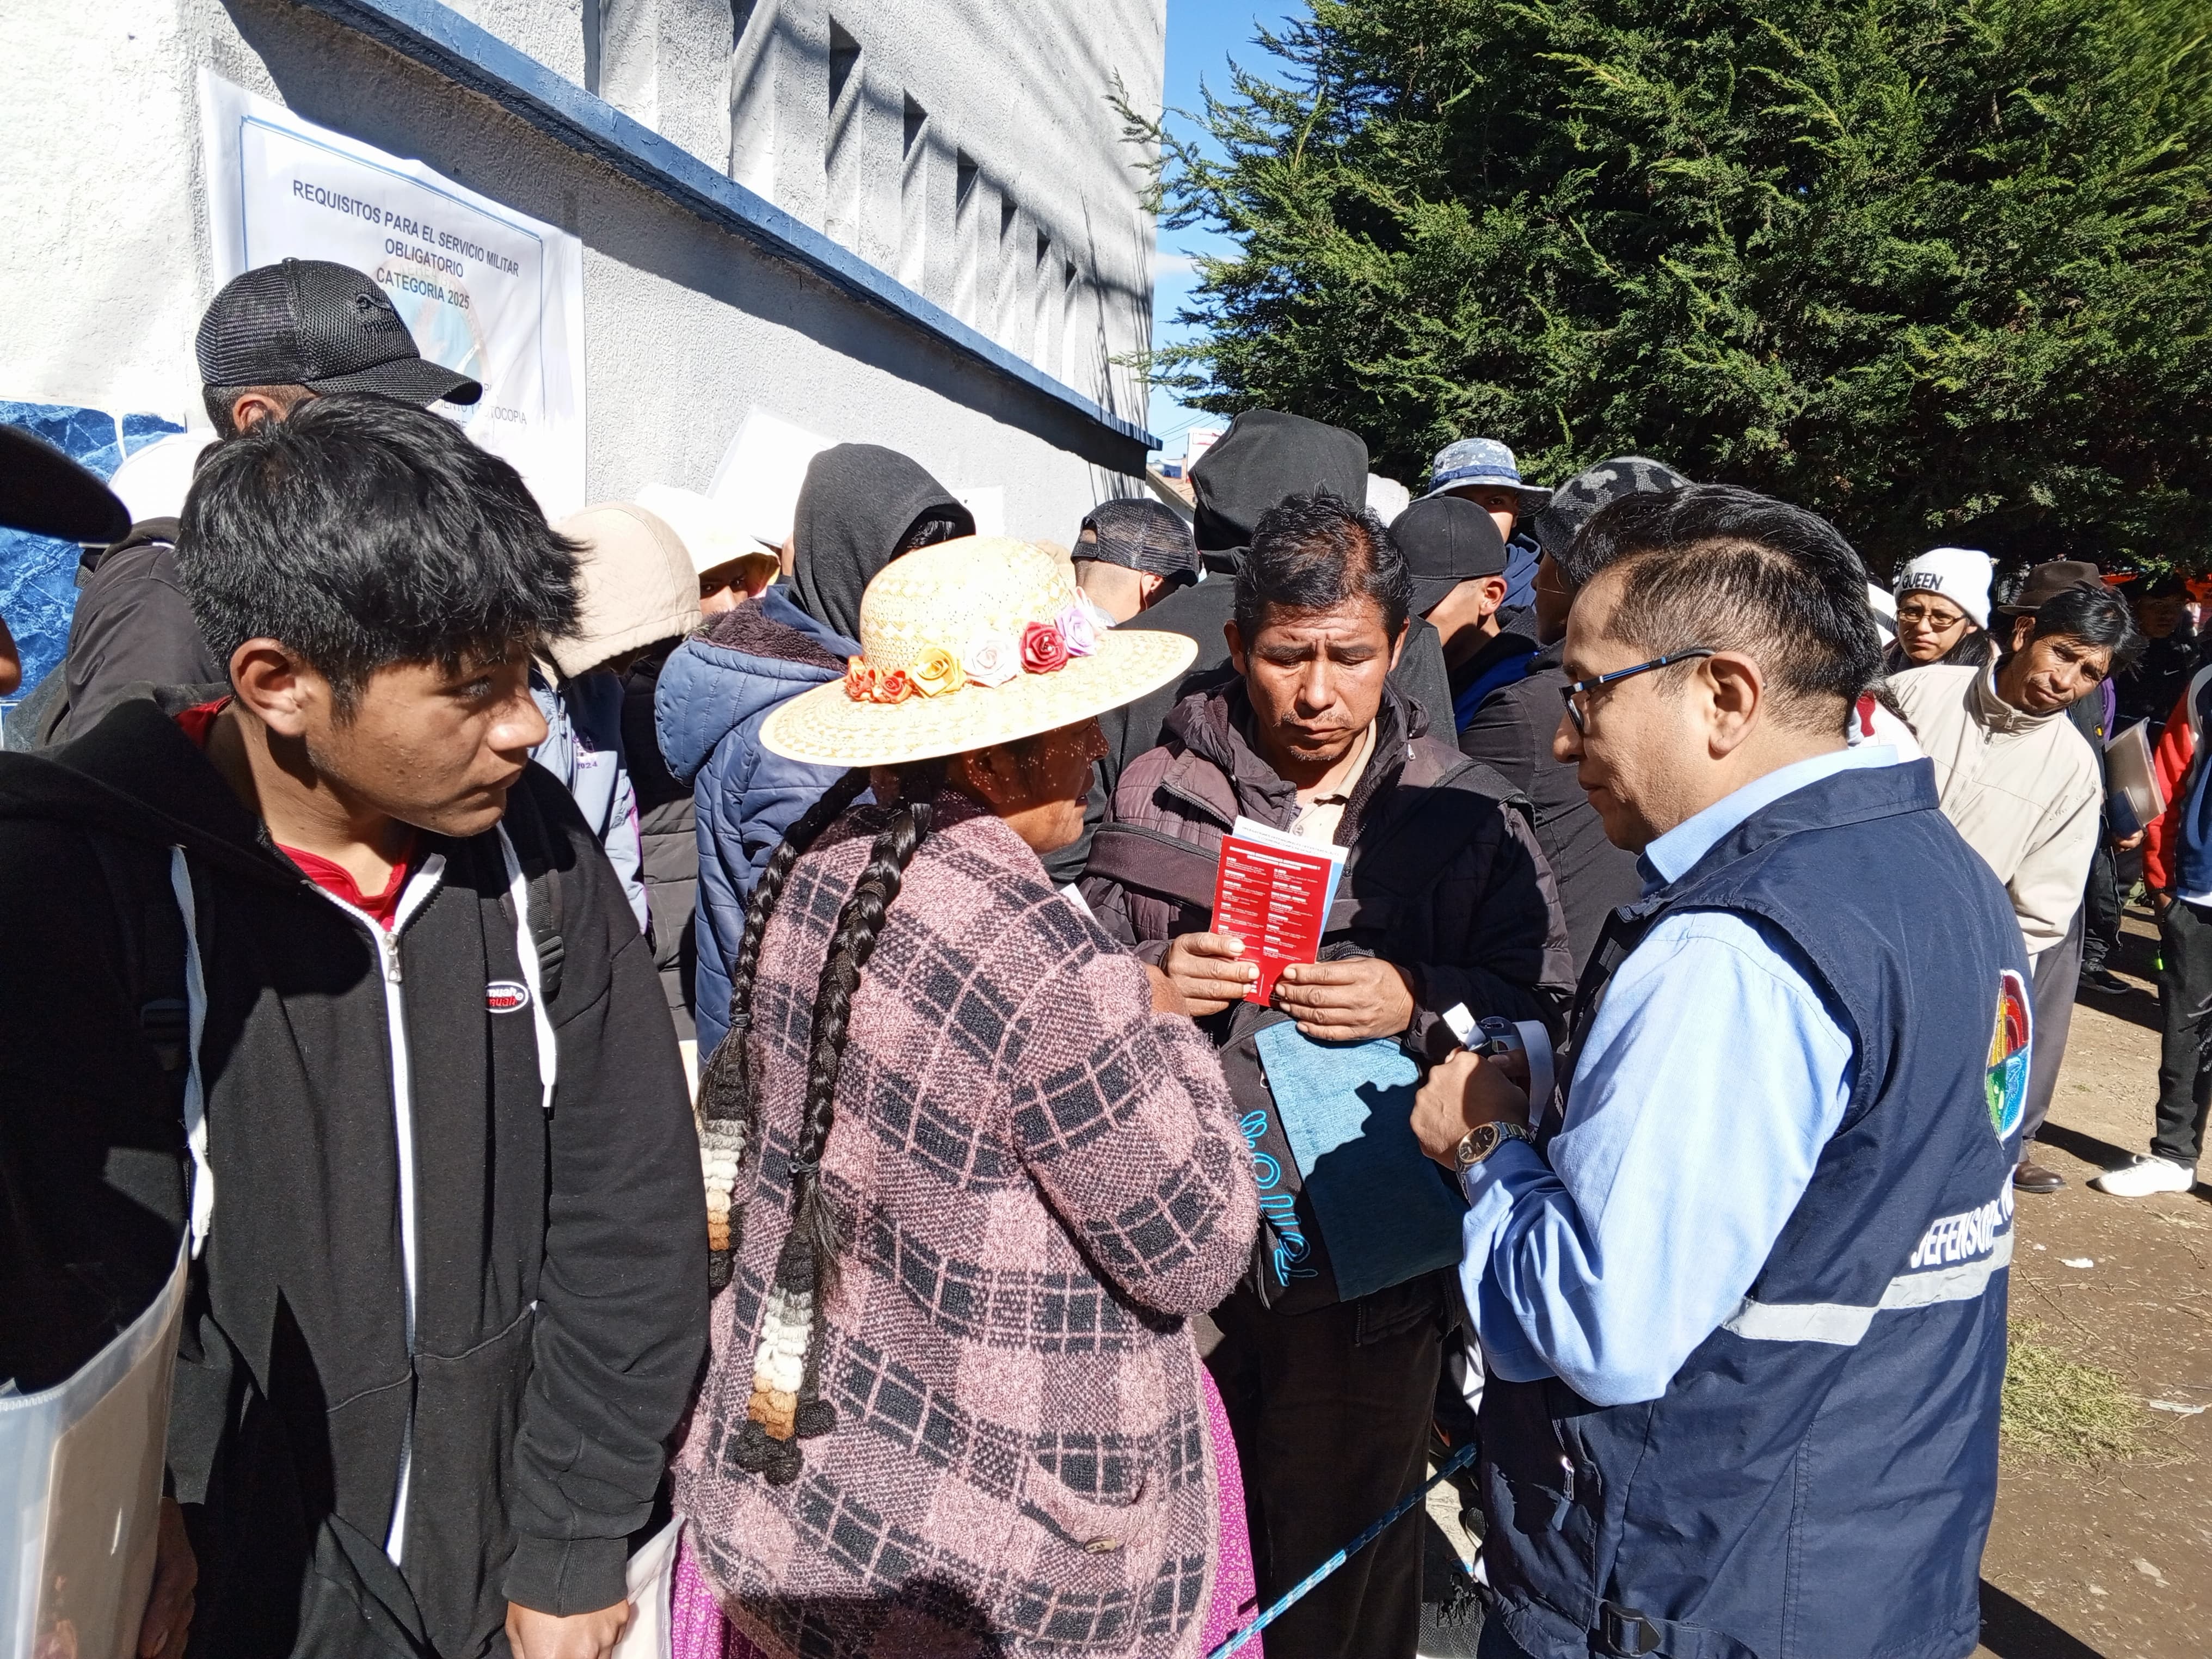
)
(638, 585)
(955, 622)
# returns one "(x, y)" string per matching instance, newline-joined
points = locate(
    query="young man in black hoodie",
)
(316, 969)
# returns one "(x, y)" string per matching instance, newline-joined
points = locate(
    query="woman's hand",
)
(535, 1635)
(1208, 971)
(1344, 1001)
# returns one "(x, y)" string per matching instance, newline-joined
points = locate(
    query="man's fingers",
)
(1224, 946)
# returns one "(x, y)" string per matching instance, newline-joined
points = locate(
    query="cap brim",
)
(410, 379)
(826, 727)
(1430, 592)
(45, 493)
(1532, 495)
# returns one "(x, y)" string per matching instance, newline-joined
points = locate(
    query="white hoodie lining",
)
(196, 1127)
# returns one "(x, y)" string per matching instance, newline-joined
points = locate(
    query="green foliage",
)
(1938, 268)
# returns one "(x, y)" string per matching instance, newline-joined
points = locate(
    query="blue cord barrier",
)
(1452, 1465)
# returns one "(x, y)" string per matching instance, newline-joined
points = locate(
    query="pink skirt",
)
(700, 1632)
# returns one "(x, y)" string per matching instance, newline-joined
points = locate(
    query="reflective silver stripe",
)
(1845, 1324)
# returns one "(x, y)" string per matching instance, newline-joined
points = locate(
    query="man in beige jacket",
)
(2025, 787)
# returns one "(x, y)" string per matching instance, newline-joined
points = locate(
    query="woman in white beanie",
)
(1943, 609)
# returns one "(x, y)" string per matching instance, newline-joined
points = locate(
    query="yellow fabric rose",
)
(935, 672)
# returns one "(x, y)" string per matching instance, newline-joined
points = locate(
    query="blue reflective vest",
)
(1817, 1480)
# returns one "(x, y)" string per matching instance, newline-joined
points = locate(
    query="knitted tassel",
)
(784, 1405)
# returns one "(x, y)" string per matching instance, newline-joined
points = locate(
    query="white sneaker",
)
(2145, 1176)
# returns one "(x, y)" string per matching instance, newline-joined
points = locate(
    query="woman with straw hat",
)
(969, 1168)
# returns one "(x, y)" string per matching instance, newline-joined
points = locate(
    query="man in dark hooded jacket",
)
(314, 969)
(1265, 456)
(861, 507)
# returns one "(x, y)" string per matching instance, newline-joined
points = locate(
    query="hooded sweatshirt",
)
(1265, 456)
(855, 507)
(716, 693)
(450, 1294)
(2023, 789)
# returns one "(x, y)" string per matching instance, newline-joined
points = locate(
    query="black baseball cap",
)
(326, 326)
(1139, 535)
(47, 494)
(1446, 540)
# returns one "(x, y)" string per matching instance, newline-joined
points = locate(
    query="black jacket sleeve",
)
(1516, 961)
(1503, 736)
(1421, 675)
(133, 626)
(622, 1297)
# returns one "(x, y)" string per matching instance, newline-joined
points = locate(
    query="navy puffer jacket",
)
(715, 694)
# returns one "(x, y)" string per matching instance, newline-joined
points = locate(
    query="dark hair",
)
(221, 400)
(1716, 566)
(1977, 647)
(361, 533)
(2095, 615)
(1312, 552)
(806, 1265)
(932, 527)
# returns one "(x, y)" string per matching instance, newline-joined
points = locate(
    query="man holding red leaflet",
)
(1445, 899)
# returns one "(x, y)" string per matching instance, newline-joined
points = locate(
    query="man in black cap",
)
(1458, 559)
(1132, 554)
(1265, 456)
(274, 337)
(1512, 730)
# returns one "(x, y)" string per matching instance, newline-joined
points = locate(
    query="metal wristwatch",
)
(1484, 1139)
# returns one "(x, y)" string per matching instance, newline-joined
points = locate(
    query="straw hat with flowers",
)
(966, 644)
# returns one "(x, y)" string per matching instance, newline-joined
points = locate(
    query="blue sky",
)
(1203, 36)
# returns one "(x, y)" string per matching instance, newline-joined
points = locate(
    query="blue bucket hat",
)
(1484, 462)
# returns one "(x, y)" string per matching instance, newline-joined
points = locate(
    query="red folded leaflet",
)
(1273, 892)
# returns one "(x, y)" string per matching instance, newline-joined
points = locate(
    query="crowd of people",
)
(695, 1087)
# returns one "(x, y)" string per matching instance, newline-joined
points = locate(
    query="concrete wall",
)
(104, 258)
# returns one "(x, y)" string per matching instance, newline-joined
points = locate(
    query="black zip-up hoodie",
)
(511, 1350)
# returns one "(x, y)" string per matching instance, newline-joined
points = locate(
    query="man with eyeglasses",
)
(1741, 1282)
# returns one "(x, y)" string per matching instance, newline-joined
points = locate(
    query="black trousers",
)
(2058, 973)
(2184, 1002)
(2101, 909)
(1330, 1410)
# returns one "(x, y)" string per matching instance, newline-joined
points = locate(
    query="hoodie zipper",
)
(420, 887)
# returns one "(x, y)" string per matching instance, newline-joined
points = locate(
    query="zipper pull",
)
(391, 956)
(1566, 1498)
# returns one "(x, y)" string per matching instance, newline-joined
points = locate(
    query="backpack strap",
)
(1153, 861)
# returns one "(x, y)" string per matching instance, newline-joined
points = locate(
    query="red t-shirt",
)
(332, 878)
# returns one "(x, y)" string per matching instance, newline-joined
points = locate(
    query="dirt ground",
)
(2115, 1560)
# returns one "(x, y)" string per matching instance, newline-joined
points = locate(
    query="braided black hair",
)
(729, 1117)
(785, 1404)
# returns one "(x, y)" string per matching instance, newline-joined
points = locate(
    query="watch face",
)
(1478, 1143)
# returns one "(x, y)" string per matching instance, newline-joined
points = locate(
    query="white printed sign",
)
(491, 293)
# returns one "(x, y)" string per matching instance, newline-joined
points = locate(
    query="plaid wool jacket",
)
(1037, 1179)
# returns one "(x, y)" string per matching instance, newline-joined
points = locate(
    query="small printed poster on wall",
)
(485, 290)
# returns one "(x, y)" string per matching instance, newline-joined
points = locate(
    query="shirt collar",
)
(1671, 857)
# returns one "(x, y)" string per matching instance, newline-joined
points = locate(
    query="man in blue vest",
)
(1741, 1289)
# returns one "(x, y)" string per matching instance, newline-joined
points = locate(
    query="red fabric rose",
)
(894, 687)
(1044, 649)
(859, 680)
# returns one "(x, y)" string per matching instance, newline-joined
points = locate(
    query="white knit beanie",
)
(1960, 574)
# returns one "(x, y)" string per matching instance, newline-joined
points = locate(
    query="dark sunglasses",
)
(1569, 693)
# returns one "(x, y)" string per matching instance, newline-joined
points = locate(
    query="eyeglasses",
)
(1569, 693)
(1926, 616)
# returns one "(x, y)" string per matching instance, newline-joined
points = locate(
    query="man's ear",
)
(1398, 645)
(2023, 630)
(1738, 693)
(1494, 594)
(275, 686)
(1232, 632)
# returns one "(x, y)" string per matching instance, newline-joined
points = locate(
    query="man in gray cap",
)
(1513, 728)
(273, 338)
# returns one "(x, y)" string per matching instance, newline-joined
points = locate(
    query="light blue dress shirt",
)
(1714, 1071)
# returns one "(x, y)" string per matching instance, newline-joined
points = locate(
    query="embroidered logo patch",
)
(2006, 1083)
(507, 996)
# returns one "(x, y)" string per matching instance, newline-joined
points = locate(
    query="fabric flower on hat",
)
(934, 672)
(894, 687)
(991, 659)
(859, 680)
(1076, 630)
(1044, 649)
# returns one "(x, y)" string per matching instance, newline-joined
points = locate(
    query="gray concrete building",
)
(916, 224)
